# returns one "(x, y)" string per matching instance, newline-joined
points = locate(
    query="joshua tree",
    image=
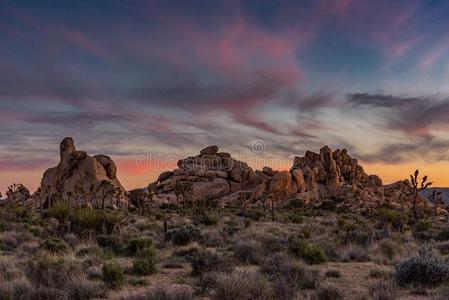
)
(184, 189)
(416, 188)
(436, 199)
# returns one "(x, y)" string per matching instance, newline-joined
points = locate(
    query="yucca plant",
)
(112, 222)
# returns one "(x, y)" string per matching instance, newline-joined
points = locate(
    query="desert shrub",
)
(60, 210)
(428, 268)
(86, 220)
(295, 218)
(285, 270)
(184, 235)
(52, 272)
(169, 293)
(423, 225)
(54, 245)
(187, 252)
(272, 243)
(207, 218)
(16, 290)
(329, 292)
(82, 289)
(8, 269)
(206, 261)
(389, 249)
(295, 203)
(49, 293)
(356, 253)
(212, 238)
(145, 264)
(333, 273)
(383, 290)
(242, 285)
(376, 273)
(135, 246)
(113, 275)
(232, 227)
(248, 252)
(442, 293)
(8, 241)
(328, 205)
(391, 217)
(252, 214)
(443, 235)
(312, 254)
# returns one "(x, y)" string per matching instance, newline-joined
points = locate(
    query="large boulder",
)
(81, 180)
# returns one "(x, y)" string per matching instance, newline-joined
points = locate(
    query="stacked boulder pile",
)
(211, 175)
(315, 177)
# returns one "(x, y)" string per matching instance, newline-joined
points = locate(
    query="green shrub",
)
(389, 249)
(86, 220)
(137, 245)
(54, 245)
(60, 211)
(184, 235)
(209, 218)
(145, 264)
(423, 225)
(312, 254)
(428, 268)
(113, 275)
(391, 217)
(328, 205)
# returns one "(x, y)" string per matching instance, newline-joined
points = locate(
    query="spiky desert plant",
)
(416, 188)
(436, 198)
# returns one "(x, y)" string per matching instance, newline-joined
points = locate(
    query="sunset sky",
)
(149, 82)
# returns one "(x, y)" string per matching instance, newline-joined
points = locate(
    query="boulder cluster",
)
(81, 180)
(211, 175)
(214, 175)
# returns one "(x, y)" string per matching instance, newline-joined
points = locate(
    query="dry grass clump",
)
(383, 290)
(248, 251)
(242, 285)
(329, 292)
(206, 261)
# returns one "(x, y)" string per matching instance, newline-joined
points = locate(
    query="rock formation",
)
(214, 175)
(211, 175)
(17, 193)
(81, 180)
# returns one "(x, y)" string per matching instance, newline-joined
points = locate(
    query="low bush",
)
(329, 292)
(248, 252)
(391, 217)
(383, 290)
(307, 251)
(242, 286)
(288, 275)
(184, 235)
(113, 275)
(54, 245)
(145, 263)
(169, 293)
(138, 245)
(428, 268)
(82, 289)
(333, 274)
(60, 211)
(423, 225)
(206, 261)
(52, 272)
(443, 235)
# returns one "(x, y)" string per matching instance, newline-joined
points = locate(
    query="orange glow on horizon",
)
(133, 177)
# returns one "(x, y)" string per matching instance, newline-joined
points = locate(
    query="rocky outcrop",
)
(81, 180)
(17, 193)
(211, 175)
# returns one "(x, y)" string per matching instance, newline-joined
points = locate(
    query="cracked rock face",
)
(81, 180)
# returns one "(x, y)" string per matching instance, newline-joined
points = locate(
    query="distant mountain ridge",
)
(444, 192)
